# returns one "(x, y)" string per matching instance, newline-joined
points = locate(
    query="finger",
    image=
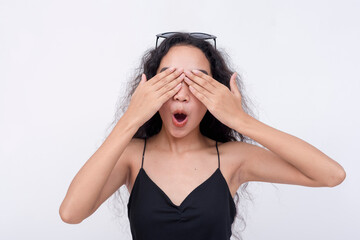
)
(201, 80)
(169, 78)
(169, 86)
(213, 82)
(233, 86)
(168, 94)
(161, 75)
(206, 77)
(199, 94)
(143, 78)
(199, 88)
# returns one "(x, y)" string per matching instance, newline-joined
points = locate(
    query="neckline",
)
(191, 193)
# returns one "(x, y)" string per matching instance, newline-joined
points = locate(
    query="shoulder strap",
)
(142, 161)
(218, 154)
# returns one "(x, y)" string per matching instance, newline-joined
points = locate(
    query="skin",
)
(174, 139)
(180, 156)
(174, 154)
(178, 160)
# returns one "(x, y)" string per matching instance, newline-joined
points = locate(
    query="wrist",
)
(244, 122)
(128, 123)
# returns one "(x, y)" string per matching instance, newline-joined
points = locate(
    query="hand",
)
(222, 103)
(150, 95)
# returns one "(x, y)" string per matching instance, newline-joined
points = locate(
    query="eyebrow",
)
(164, 68)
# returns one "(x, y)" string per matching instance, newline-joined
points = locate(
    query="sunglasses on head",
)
(199, 35)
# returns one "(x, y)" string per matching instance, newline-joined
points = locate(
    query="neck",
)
(167, 141)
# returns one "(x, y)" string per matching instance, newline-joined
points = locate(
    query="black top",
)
(207, 213)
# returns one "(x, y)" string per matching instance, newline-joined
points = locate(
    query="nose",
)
(183, 94)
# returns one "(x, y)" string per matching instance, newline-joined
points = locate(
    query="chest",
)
(177, 178)
(206, 213)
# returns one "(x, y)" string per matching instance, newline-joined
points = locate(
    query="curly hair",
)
(209, 125)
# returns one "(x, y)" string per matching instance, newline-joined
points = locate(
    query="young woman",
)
(181, 149)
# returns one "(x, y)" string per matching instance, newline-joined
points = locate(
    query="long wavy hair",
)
(209, 125)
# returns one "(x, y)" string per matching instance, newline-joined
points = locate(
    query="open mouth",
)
(179, 119)
(180, 116)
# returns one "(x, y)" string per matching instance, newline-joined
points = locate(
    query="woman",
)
(186, 116)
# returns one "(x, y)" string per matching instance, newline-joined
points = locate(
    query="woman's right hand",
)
(150, 95)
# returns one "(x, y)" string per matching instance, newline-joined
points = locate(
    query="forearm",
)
(86, 186)
(306, 158)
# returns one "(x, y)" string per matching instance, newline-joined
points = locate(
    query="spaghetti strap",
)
(218, 154)
(142, 161)
(150, 206)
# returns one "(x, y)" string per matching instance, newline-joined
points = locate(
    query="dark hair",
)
(209, 125)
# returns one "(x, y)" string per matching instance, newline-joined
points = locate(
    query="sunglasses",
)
(199, 35)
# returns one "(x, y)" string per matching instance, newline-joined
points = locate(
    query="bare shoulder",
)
(133, 150)
(256, 163)
(123, 165)
(235, 154)
(120, 173)
(133, 155)
(235, 151)
(135, 144)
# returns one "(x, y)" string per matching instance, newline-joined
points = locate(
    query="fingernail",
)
(195, 71)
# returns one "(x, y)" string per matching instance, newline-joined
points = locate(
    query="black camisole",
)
(207, 213)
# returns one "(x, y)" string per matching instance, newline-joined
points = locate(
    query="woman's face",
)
(188, 58)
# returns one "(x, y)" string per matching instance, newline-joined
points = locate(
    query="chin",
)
(178, 135)
(176, 131)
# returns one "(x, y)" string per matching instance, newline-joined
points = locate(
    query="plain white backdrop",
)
(64, 64)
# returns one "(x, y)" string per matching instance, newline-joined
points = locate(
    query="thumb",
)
(143, 78)
(233, 86)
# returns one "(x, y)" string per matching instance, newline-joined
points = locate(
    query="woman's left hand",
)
(222, 103)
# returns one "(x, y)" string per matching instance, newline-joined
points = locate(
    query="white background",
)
(64, 64)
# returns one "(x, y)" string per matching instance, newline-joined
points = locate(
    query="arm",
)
(288, 159)
(107, 169)
(93, 183)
